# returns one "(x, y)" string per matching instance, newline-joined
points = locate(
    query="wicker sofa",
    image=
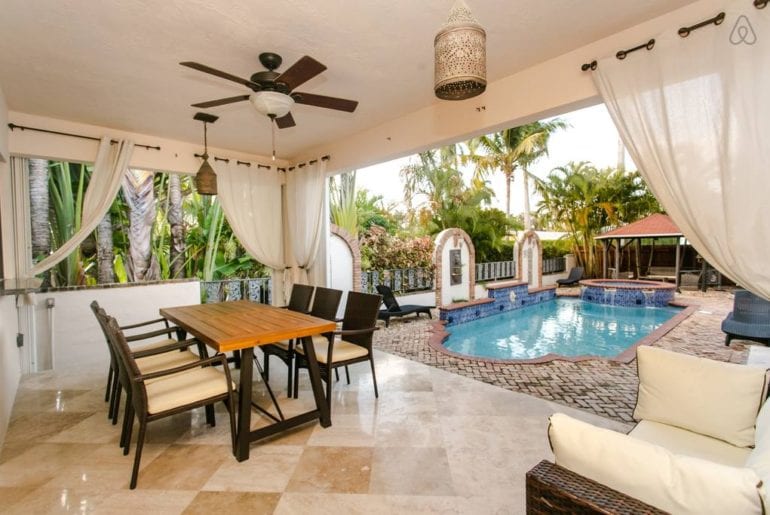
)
(701, 445)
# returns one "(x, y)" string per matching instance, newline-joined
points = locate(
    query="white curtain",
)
(694, 114)
(305, 195)
(109, 167)
(251, 200)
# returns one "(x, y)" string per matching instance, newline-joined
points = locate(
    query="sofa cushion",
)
(687, 443)
(759, 459)
(709, 397)
(652, 474)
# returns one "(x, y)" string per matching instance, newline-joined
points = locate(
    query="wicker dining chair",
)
(301, 295)
(325, 304)
(148, 360)
(353, 346)
(163, 393)
(113, 390)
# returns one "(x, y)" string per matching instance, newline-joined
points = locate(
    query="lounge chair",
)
(749, 319)
(394, 309)
(575, 275)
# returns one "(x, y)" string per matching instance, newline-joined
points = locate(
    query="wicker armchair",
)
(749, 319)
(554, 489)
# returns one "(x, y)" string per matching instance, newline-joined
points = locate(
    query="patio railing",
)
(257, 289)
(494, 270)
(554, 265)
(403, 280)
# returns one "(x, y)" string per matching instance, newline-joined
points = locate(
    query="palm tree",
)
(39, 206)
(138, 190)
(510, 149)
(342, 194)
(176, 224)
(105, 253)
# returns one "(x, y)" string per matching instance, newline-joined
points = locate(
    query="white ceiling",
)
(114, 63)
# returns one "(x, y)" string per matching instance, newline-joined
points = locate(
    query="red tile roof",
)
(654, 225)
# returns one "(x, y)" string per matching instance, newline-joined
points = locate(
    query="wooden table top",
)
(228, 326)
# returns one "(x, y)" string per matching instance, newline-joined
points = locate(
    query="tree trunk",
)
(527, 214)
(177, 247)
(39, 207)
(104, 252)
(508, 179)
(140, 197)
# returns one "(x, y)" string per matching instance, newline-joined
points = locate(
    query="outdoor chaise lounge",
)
(749, 319)
(396, 310)
(574, 276)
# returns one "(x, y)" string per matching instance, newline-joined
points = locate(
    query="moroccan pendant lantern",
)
(460, 56)
(206, 178)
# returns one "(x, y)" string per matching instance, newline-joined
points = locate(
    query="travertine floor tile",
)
(411, 471)
(206, 503)
(184, 467)
(332, 470)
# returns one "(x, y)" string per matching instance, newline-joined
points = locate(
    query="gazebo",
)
(655, 226)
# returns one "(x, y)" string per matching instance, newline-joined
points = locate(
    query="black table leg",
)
(244, 406)
(315, 380)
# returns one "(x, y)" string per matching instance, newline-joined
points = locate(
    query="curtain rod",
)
(302, 165)
(227, 160)
(13, 126)
(683, 32)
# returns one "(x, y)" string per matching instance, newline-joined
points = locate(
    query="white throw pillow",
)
(650, 473)
(709, 397)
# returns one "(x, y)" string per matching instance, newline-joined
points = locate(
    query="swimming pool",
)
(565, 326)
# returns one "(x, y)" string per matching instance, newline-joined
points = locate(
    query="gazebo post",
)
(617, 258)
(676, 269)
(605, 257)
(638, 249)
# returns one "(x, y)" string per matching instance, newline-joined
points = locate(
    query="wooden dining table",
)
(241, 326)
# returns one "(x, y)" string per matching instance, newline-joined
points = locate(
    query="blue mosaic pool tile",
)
(503, 301)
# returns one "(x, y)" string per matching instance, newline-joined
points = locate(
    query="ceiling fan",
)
(273, 93)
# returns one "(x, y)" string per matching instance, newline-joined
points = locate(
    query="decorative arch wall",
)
(529, 266)
(454, 239)
(353, 247)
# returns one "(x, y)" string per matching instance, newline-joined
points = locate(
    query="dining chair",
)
(352, 344)
(160, 394)
(113, 390)
(301, 295)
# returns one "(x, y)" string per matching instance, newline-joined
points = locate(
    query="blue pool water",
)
(568, 327)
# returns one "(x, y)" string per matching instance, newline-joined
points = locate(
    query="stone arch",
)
(531, 270)
(355, 251)
(453, 238)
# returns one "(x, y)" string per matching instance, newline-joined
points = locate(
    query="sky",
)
(590, 136)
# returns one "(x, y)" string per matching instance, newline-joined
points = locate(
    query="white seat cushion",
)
(164, 361)
(185, 388)
(759, 459)
(652, 474)
(687, 443)
(153, 345)
(343, 351)
(709, 397)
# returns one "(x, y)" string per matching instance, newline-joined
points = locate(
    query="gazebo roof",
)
(657, 225)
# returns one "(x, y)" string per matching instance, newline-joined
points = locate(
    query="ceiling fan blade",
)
(340, 104)
(284, 122)
(300, 72)
(221, 101)
(213, 71)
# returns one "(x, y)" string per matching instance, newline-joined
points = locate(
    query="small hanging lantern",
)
(460, 56)
(206, 179)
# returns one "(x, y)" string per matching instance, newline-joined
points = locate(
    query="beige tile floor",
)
(434, 442)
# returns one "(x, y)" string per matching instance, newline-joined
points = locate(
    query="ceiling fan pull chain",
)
(272, 128)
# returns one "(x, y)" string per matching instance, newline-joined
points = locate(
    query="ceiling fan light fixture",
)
(460, 56)
(272, 103)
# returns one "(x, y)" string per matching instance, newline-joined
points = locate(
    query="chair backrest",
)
(576, 273)
(361, 313)
(388, 298)
(128, 367)
(301, 294)
(747, 307)
(101, 316)
(325, 303)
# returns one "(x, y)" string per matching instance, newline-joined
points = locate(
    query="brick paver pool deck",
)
(602, 387)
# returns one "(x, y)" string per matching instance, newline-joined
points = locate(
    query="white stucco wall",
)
(77, 339)
(10, 370)
(340, 268)
(453, 293)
